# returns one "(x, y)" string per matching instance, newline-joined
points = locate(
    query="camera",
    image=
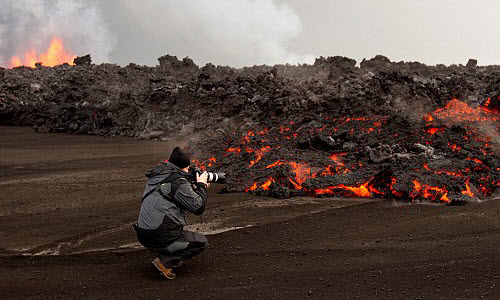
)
(216, 177)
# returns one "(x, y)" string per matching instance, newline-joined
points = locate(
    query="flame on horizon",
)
(55, 55)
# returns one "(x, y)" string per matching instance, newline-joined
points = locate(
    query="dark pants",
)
(188, 245)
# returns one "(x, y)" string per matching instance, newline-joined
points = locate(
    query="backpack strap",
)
(170, 178)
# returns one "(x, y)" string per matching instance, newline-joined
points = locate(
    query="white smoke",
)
(236, 32)
(27, 24)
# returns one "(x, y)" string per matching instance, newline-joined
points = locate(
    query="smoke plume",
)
(237, 32)
(31, 24)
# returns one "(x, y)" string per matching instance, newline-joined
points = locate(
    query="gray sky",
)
(248, 32)
(429, 31)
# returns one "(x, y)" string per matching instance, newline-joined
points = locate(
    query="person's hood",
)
(162, 171)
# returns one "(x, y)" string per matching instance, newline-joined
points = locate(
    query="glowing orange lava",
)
(459, 111)
(211, 161)
(362, 190)
(428, 118)
(302, 172)
(429, 192)
(264, 186)
(246, 137)
(258, 154)
(393, 191)
(434, 130)
(55, 55)
(468, 191)
(277, 163)
(454, 147)
(339, 167)
(231, 150)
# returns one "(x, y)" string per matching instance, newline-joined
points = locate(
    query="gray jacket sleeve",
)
(193, 200)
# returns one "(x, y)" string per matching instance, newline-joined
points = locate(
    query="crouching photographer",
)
(171, 190)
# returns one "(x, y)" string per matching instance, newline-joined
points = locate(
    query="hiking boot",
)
(167, 272)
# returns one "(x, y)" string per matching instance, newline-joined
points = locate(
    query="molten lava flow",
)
(468, 191)
(454, 174)
(459, 111)
(339, 167)
(264, 186)
(362, 190)
(275, 164)
(429, 192)
(55, 55)
(258, 154)
(302, 172)
(274, 148)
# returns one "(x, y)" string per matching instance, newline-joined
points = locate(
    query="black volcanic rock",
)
(83, 60)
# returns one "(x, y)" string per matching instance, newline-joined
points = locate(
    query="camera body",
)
(215, 177)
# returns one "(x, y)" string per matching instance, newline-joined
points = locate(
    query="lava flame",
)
(55, 55)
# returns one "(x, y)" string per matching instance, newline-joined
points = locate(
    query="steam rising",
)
(236, 32)
(27, 24)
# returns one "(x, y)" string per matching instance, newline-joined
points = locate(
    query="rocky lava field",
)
(384, 129)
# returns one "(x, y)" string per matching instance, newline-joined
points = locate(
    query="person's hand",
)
(202, 178)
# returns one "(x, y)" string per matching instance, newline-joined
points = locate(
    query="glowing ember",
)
(476, 160)
(434, 130)
(199, 164)
(233, 150)
(428, 118)
(454, 147)
(284, 129)
(211, 161)
(263, 132)
(246, 138)
(55, 55)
